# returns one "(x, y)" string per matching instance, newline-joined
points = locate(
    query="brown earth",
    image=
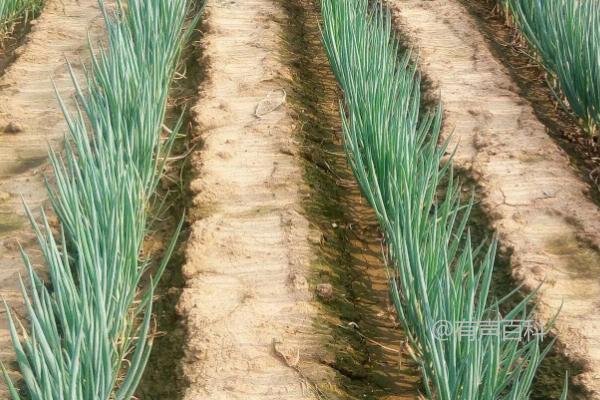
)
(285, 295)
(537, 202)
(246, 301)
(30, 120)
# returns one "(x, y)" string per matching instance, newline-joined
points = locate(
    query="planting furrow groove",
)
(357, 323)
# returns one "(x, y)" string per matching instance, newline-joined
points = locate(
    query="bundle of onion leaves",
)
(88, 334)
(566, 35)
(13, 11)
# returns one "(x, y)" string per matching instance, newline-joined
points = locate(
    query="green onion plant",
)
(566, 36)
(438, 277)
(88, 335)
(13, 11)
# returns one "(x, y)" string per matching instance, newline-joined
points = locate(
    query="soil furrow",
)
(365, 337)
(163, 377)
(537, 202)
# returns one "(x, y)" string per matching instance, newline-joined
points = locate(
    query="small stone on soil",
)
(288, 149)
(325, 291)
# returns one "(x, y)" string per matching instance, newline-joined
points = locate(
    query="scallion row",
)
(440, 280)
(566, 35)
(88, 334)
(13, 11)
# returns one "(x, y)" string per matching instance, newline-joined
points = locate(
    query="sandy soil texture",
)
(246, 302)
(30, 120)
(535, 198)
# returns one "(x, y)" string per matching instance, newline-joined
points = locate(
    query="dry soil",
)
(246, 301)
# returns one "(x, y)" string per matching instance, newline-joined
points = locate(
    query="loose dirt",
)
(247, 305)
(537, 202)
(30, 120)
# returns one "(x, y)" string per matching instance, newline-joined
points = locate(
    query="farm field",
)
(299, 199)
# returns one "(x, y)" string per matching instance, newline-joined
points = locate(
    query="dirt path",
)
(535, 198)
(30, 119)
(246, 301)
